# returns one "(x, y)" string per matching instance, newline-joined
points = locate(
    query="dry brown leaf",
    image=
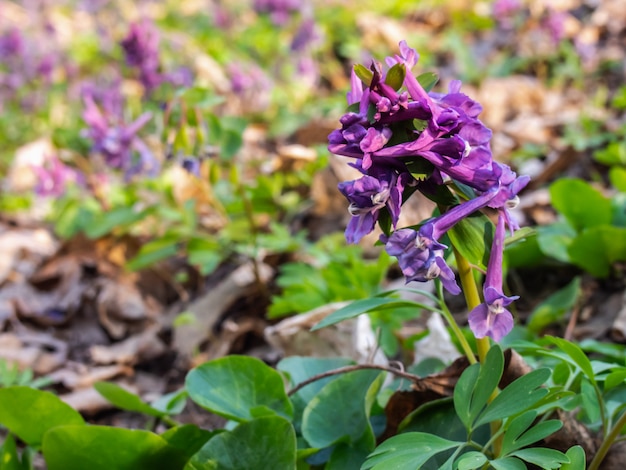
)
(140, 347)
(209, 308)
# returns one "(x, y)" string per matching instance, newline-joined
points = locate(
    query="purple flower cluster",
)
(141, 47)
(279, 10)
(404, 139)
(114, 140)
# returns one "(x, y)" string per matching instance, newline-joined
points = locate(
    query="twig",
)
(343, 370)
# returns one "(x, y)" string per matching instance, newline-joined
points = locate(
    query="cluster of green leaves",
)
(329, 423)
(463, 439)
(591, 234)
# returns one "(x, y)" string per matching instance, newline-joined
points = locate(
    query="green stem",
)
(472, 297)
(445, 311)
(607, 443)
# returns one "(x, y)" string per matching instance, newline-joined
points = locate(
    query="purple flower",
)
(116, 141)
(279, 10)
(420, 258)
(305, 36)
(141, 47)
(554, 24)
(504, 12)
(54, 177)
(491, 318)
(251, 85)
(367, 196)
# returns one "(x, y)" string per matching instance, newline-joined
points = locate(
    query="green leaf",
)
(577, 356)
(534, 434)
(205, 253)
(343, 403)
(303, 368)
(473, 236)
(617, 176)
(554, 307)
(471, 461)
(9, 458)
(597, 248)
(125, 400)
(351, 456)
(428, 80)
(188, 438)
(487, 382)
(582, 205)
(544, 458)
(554, 239)
(614, 379)
(239, 388)
(463, 394)
(266, 442)
(171, 403)
(106, 448)
(364, 306)
(364, 74)
(514, 428)
(476, 385)
(110, 220)
(520, 395)
(590, 401)
(29, 413)
(577, 459)
(407, 451)
(152, 252)
(395, 76)
(508, 463)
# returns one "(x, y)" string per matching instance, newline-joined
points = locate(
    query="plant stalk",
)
(472, 299)
(607, 442)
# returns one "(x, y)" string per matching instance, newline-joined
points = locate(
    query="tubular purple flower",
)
(115, 142)
(356, 89)
(141, 47)
(367, 196)
(491, 318)
(420, 258)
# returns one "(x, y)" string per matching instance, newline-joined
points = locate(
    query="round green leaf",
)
(597, 248)
(471, 461)
(266, 442)
(577, 460)
(582, 205)
(107, 448)
(239, 388)
(29, 413)
(341, 402)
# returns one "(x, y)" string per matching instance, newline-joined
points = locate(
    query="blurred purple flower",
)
(251, 85)
(53, 178)
(504, 12)
(279, 10)
(11, 44)
(116, 141)
(491, 318)
(554, 24)
(305, 36)
(141, 47)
